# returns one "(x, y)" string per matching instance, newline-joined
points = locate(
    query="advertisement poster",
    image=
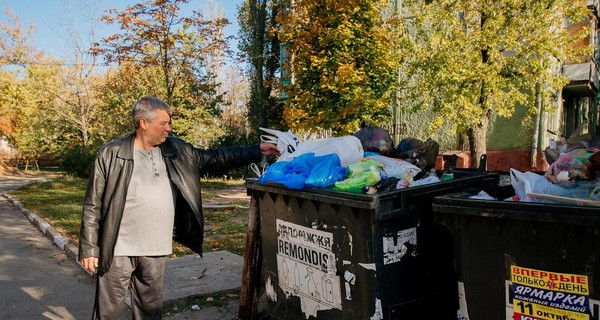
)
(306, 267)
(542, 295)
(399, 245)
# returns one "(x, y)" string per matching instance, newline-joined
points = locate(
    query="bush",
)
(77, 161)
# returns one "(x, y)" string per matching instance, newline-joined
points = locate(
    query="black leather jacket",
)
(107, 189)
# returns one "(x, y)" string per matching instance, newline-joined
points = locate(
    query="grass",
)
(60, 203)
(225, 230)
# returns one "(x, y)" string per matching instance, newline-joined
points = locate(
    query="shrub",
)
(77, 161)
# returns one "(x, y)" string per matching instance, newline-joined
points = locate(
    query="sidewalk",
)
(41, 279)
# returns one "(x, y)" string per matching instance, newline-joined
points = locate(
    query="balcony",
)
(583, 79)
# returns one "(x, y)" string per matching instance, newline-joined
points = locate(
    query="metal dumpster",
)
(523, 261)
(336, 255)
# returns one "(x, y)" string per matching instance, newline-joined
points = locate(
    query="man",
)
(143, 192)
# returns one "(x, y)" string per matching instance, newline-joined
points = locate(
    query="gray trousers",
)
(143, 276)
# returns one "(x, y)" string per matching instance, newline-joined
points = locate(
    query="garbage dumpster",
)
(338, 255)
(523, 261)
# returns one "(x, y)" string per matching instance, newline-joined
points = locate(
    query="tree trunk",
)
(477, 140)
(257, 53)
(478, 134)
(263, 52)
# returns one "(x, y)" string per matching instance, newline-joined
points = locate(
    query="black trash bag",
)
(421, 154)
(375, 139)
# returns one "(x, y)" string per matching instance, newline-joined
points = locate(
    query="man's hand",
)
(90, 264)
(268, 148)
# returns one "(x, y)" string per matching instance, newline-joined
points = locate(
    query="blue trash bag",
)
(326, 171)
(291, 174)
(274, 171)
(306, 170)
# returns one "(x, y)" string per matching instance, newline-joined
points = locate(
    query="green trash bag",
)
(360, 174)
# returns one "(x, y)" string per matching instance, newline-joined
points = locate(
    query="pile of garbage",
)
(571, 178)
(365, 162)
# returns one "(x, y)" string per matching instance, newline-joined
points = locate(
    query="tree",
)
(76, 103)
(155, 35)
(22, 89)
(42, 130)
(234, 112)
(466, 60)
(259, 45)
(120, 89)
(16, 51)
(28, 92)
(343, 63)
(52, 105)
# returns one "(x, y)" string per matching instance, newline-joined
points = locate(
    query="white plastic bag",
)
(285, 141)
(395, 167)
(527, 182)
(348, 148)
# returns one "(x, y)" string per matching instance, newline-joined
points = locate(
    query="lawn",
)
(60, 203)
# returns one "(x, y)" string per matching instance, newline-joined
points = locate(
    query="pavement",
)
(41, 279)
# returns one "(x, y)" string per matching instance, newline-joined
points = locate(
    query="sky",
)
(52, 18)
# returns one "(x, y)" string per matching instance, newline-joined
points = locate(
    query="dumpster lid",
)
(357, 200)
(460, 204)
(372, 201)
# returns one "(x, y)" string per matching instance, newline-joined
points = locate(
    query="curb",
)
(47, 230)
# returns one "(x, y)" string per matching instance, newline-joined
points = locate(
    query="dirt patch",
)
(234, 195)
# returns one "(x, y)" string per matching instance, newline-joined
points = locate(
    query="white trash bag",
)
(530, 182)
(348, 148)
(395, 167)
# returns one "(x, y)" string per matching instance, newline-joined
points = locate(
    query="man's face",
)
(157, 129)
